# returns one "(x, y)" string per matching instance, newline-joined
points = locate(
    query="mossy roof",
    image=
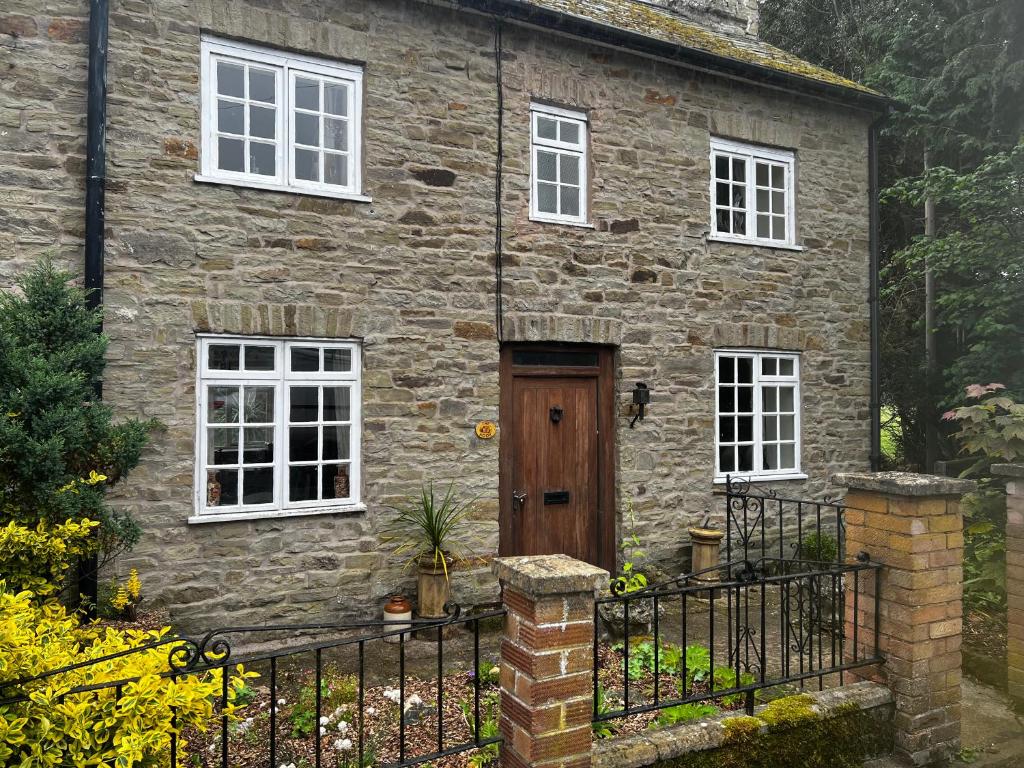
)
(668, 27)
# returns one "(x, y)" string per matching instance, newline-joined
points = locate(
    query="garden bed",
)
(298, 731)
(984, 647)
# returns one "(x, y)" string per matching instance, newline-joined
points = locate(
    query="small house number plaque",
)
(485, 430)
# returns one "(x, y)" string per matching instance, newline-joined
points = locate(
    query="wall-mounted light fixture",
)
(641, 398)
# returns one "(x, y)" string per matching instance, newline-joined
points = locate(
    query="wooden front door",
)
(557, 451)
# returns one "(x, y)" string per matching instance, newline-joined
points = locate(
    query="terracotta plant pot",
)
(397, 615)
(432, 588)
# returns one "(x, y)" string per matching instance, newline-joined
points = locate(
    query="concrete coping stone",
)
(904, 483)
(665, 744)
(1008, 470)
(540, 575)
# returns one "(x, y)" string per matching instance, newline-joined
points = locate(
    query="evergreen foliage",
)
(59, 446)
(956, 70)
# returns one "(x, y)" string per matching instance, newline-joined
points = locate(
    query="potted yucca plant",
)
(425, 529)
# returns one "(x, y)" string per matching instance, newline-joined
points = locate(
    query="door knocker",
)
(556, 413)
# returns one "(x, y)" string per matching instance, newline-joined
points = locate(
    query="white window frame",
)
(750, 154)
(286, 66)
(759, 473)
(580, 149)
(282, 378)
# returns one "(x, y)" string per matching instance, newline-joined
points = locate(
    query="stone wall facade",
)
(412, 273)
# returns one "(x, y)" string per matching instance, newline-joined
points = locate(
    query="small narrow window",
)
(280, 121)
(752, 197)
(559, 165)
(279, 426)
(757, 397)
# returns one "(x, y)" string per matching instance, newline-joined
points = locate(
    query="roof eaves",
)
(609, 34)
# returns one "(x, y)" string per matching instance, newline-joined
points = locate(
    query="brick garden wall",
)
(412, 273)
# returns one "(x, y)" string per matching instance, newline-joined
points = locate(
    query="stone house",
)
(340, 235)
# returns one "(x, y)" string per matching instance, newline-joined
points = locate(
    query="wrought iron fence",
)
(762, 524)
(771, 614)
(212, 653)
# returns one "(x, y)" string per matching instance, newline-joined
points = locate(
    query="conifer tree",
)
(60, 448)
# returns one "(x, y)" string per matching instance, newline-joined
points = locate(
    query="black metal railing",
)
(762, 524)
(783, 608)
(212, 653)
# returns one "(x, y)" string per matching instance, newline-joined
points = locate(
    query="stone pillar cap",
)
(1008, 470)
(549, 574)
(904, 483)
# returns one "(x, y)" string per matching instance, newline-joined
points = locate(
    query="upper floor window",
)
(277, 120)
(278, 426)
(757, 413)
(752, 197)
(559, 165)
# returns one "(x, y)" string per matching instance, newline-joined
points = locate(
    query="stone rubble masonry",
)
(412, 273)
(1014, 474)
(547, 658)
(912, 525)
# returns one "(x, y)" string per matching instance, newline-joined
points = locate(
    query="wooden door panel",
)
(575, 455)
(556, 456)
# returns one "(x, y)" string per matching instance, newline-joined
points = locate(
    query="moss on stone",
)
(740, 729)
(663, 25)
(789, 711)
(790, 732)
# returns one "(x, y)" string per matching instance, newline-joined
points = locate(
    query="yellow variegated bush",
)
(37, 559)
(41, 726)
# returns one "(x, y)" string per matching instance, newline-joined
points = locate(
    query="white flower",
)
(371, 710)
(393, 694)
(281, 703)
(343, 745)
(325, 720)
(323, 731)
(342, 727)
(413, 701)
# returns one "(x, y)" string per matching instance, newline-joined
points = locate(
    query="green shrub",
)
(819, 547)
(56, 436)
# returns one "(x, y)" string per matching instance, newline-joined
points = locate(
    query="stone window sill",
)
(755, 243)
(546, 220)
(347, 509)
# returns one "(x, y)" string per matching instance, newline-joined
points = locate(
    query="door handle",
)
(518, 500)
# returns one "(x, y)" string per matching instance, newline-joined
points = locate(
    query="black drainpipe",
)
(95, 150)
(95, 183)
(873, 280)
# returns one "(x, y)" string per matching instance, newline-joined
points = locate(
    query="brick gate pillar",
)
(547, 657)
(912, 525)
(1014, 474)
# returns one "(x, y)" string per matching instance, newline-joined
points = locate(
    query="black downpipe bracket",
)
(95, 188)
(873, 300)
